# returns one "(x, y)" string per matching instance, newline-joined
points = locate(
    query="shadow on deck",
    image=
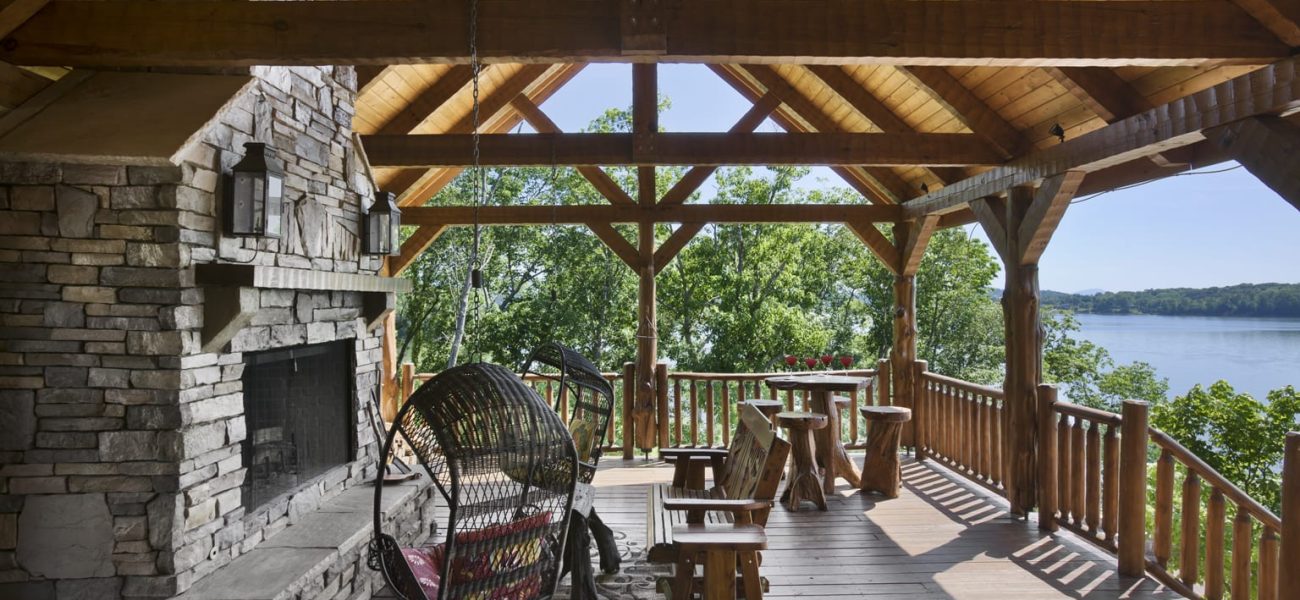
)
(942, 538)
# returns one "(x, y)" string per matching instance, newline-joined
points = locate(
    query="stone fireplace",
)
(171, 397)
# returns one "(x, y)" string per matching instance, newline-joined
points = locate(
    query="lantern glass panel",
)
(242, 209)
(394, 232)
(274, 205)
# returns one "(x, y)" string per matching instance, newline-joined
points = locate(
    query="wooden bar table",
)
(834, 459)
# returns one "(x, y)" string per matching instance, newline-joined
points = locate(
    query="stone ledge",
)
(284, 564)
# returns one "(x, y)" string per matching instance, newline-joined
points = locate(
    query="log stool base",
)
(804, 480)
(722, 551)
(881, 471)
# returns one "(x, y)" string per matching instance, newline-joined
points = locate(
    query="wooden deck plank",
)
(942, 538)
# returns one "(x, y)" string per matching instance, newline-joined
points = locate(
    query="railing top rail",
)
(1208, 474)
(761, 376)
(528, 377)
(1089, 413)
(983, 390)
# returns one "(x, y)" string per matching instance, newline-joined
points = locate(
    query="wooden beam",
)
(409, 119)
(991, 214)
(224, 33)
(939, 84)
(877, 243)
(597, 177)
(43, 99)
(697, 175)
(1193, 156)
(918, 238)
(18, 85)
(13, 13)
(369, 75)
(686, 213)
(1281, 17)
(874, 110)
(1271, 90)
(673, 245)
(886, 185)
(616, 243)
(1269, 148)
(1105, 93)
(417, 188)
(286, 278)
(413, 247)
(1044, 214)
(712, 149)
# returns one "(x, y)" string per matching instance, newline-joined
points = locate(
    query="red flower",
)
(826, 359)
(791, 360)
(846, 361)
(810, 361)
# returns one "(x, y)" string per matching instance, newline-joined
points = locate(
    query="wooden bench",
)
(745, 475)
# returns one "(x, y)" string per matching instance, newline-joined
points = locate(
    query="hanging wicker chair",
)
(507, 467)
(589, 398)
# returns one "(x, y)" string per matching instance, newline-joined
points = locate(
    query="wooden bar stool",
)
(720, 549)
(804, 480)
(881, 471)
(769, 408)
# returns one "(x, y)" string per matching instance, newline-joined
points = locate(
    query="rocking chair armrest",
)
(718, 504)
(676, 453)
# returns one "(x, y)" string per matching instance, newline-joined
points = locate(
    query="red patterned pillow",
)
(488, 563)
(426, 567)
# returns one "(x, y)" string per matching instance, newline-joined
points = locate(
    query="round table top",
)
(818, 382)
(801, 420)
(762, 403)
(887, 414)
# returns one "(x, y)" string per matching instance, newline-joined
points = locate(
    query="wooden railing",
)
(693, 409)
(959, 424)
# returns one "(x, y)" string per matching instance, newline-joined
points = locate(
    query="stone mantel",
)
(263, 276)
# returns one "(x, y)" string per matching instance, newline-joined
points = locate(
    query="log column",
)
(903, 353)
(645, 122)
(1289, 580)
(1019, 229)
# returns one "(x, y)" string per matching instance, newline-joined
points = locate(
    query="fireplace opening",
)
(298, 411)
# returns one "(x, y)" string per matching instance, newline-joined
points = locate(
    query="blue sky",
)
(1190, 231)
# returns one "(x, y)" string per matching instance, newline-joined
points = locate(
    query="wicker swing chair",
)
(591, 400)
(506, 466)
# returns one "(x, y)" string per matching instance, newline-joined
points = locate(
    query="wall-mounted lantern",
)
(383, 225)
(255, 193)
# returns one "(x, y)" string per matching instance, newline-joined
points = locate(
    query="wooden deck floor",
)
(942, 538)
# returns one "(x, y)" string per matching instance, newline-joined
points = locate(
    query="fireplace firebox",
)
(299, 416)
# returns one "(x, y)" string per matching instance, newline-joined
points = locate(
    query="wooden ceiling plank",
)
(369, 75)
(711, 149)
(600, 180)
(1270, 90)
(965, 105)
(429, 101)
(415, 245)
(616, 243)
(1044, 214)
(1106, 94)
(877, 243)
(697, 175)
(668, 250)
(224, 33)
(1269, 148)
(685, 213)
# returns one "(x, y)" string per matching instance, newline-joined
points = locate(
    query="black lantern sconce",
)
(255, 193)
(383, 225)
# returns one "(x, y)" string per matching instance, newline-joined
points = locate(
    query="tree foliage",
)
(1245, 300)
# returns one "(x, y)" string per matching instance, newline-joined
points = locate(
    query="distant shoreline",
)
(1262, 300)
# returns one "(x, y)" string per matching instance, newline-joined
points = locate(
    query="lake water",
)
(1254, 355)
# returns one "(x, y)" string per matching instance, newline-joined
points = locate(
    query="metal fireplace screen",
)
(299, 418)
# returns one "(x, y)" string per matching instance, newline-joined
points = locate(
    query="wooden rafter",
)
(874, 110)
(877, 243)
(1269, 148)
(1271, 90)
(917, 239)
(18, 85)
(409, 119)
(668, 250)
(369, 75)
(224, 33)
(14, 13)
(598, 179)
(1044, 214)
(713, 149)
(413, 247)
(616, 243)
(696, 176)
(1282, 17)
(939, 84)
(685, 213)
(1105, 93)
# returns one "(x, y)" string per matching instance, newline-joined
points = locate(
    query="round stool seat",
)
(842, 402)
(886, 414)
(801, 420)
(765, 406)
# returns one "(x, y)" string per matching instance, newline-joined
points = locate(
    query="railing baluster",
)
(677, 411)
(1267, 583)
(1064, 469)
(1047, 448)
(990, 438)
(999, 461)
(1189, 560)
(1242, 541)
(695, 413)
(1214, 526)
(1110, 484)
(726, 412)
(1164, 524)
(1077, 473)
(629, 390)
(1093, 498)
(972, 433)
(708, 411)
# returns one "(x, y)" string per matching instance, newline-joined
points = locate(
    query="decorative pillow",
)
(485, 564)
(584, 438)
(425, 567)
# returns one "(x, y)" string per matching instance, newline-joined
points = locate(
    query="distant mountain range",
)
(1244, 300)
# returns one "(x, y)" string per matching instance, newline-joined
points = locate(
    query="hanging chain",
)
(480, 182)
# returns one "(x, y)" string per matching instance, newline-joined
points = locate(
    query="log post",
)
(645, 123)
(661, 403)
(903, 352)
(1288, 576)
(388, 385)
(1133, 489)
(408, 383)
(920, 409)
(1024, 341)
(1047, 457)
(629, 403)
(882, 375)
